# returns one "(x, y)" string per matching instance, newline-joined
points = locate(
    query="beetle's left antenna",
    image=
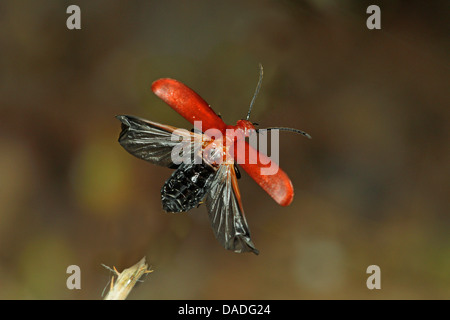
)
(256, 90)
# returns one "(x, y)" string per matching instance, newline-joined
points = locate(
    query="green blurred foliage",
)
(371, 186)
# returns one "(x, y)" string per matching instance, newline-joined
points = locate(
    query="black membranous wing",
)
(225, 211)
(152, 141)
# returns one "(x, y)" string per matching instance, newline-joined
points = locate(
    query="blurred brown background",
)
(371, 187)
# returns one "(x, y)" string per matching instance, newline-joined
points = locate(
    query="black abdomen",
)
(186, 187)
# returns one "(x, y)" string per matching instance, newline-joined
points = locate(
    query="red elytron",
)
(215, 183)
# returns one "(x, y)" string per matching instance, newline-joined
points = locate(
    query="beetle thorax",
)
(244, 128)
(216, 152)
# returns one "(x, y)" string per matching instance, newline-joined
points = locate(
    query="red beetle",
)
(211, 180)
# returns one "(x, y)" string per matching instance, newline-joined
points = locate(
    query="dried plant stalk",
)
(122, 286)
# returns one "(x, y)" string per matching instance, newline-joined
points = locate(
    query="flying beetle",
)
(213, 180)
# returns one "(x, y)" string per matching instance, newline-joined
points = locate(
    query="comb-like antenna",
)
(288, 129)
(258, 86)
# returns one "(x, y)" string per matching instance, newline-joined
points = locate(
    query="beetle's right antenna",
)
(288, 129)
(258, 86)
